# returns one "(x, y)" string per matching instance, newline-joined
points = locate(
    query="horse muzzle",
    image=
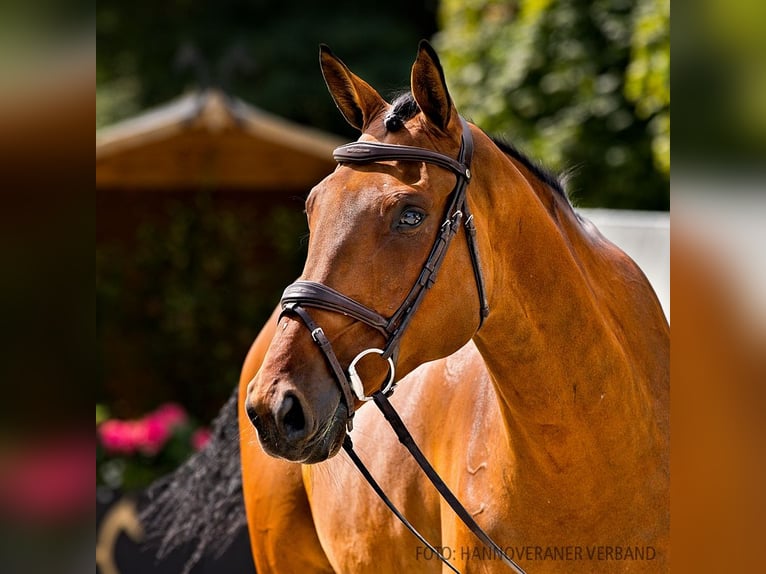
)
(288, 429)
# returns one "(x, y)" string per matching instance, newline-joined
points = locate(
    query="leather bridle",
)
(302, 294)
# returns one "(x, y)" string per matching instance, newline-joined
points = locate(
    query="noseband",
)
(303, 294)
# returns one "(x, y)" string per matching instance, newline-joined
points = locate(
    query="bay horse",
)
(548, 415)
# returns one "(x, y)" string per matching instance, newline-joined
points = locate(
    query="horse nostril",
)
(250, 411)
(291, 418)
(254, 418)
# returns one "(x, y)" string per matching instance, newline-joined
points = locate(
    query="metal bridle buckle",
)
(317, 333)
(356, 382)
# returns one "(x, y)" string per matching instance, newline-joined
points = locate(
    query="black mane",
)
(200, 507)
(542, 173)
(404, 107)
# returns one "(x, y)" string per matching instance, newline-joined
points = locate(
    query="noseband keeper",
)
(312, 294)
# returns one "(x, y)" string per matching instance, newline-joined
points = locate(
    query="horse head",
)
(374, 227)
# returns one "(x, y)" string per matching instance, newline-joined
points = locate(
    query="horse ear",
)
(429, 87)
(355, 98)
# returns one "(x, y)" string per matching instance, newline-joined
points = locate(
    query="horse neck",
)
(575, 342)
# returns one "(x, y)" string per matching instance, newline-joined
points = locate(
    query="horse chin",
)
(324, 444)
(327, 443)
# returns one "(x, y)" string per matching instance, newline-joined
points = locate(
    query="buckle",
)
(317, 333)
(356, 381)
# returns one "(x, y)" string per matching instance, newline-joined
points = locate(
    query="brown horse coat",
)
(550, 423)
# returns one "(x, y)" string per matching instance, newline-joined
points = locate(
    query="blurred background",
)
(201, 111)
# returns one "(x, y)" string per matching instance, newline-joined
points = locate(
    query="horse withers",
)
(547, 415)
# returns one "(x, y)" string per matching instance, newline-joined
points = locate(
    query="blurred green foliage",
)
(583, 85)
(719, 73)
(264, 52)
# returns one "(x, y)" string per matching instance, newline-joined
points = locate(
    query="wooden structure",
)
(208, 139)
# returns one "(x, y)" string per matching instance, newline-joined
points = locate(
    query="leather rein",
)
(311, 294)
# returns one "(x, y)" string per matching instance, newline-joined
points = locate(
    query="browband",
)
(368, 152)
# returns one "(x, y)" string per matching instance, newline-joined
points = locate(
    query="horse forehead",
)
(344, 193)
(340, 213)
(368, 188)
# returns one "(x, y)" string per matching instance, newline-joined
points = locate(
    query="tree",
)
(265, 53)
(581, 84)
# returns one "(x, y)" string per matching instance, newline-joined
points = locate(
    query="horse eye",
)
(411, 218)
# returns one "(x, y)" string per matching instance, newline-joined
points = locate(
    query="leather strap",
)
(476, 261)
(312, 294)
(369, 152)
(349, 448)
(406, 439)
(319, 337)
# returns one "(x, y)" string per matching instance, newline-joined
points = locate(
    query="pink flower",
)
(117, 436)
(170, 415)
(151, 434)
(147, 435)
(200, 438)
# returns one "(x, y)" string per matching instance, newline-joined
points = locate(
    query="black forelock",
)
(403, 108)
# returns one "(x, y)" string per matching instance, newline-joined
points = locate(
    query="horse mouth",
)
(323, 444)
(327, 442)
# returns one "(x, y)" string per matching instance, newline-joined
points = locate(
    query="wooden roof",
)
(207, 139)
